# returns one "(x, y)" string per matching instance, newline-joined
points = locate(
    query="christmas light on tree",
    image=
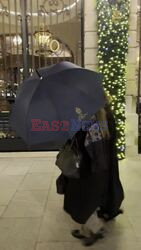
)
(113, 26)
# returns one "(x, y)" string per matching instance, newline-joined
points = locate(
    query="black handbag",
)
(61, 184)
(69, 158)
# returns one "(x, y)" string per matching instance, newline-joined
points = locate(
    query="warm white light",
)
(17, 40)
(43, 38)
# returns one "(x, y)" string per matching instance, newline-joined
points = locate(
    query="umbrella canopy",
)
(51, 103)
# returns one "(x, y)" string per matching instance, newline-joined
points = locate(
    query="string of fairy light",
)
(113, 26)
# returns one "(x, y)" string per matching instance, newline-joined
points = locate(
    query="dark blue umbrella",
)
(50, 104)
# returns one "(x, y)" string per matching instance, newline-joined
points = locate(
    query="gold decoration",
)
(80, 114)
(45, 40)
(117, 16)
(42, 38)
(54, 46)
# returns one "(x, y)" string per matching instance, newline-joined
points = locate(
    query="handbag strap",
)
(74, 139)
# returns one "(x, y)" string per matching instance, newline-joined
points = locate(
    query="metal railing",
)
(24, 27)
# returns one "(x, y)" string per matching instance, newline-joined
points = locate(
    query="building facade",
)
(69, 29)
(34, 34)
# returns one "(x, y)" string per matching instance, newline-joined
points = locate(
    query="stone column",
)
(90, 27)
(131, 90)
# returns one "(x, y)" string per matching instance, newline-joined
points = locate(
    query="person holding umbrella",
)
(54, 94)
(98, 194)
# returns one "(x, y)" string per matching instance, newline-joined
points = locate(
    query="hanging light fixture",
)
(42, 38)
(46, 42)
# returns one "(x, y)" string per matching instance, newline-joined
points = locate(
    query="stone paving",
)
(31, 214)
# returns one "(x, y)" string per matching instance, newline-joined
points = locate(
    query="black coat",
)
(115, 194)
(100, 188)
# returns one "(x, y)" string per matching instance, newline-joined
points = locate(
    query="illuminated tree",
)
(113, 26)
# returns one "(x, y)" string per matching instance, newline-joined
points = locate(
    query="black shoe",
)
(76, 233)
(89, 241)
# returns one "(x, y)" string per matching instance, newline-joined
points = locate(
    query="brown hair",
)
(101, 117)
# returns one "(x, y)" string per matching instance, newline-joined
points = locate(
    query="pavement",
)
(31, 214)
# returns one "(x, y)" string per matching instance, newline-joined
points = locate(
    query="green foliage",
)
(113, 26)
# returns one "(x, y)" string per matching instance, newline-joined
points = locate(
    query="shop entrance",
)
(34, 34)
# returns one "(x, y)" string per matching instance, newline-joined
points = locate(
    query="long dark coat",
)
(115, 194)
(101, 188)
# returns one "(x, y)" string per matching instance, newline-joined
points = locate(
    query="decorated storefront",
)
(34, 34)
